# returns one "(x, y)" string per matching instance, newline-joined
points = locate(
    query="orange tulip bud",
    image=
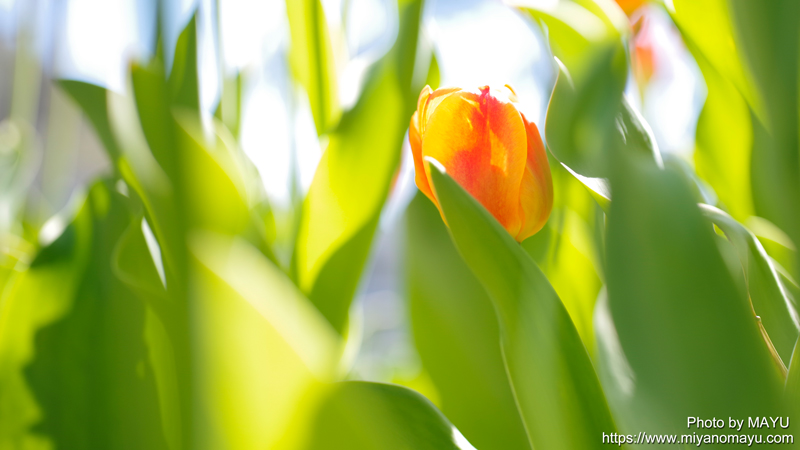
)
(488, 146)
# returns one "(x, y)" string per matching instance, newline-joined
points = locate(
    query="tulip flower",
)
(487, 146)
(630, 6)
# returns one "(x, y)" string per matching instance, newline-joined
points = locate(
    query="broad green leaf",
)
(371, 416)
(724, 136)
(90, 373)
(708, 30)
(767, 294)
(456, 335)
(768, 37)
(353, 178)
(575, 30)
(556, 387)
(263, 346)
(183, 80)
(566, 251)
(32, 298)
(92, 100)
(312, 60)
(581, 114)
(687, 334)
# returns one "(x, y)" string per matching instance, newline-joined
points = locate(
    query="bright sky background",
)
(477, 42)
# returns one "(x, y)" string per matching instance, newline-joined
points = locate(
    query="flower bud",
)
(487, 146)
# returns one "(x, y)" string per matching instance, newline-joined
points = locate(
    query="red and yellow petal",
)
(481, 141)
(536, 190)
(415, 140)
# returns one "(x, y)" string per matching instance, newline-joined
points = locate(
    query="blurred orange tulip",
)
(629, 6)
(488, 146)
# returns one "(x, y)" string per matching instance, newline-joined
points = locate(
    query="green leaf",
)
(264, 346)
(768, 36)
(724, 136)
(183, 80)
(686, 333)
(90, 373)
(312, 61)
(556, 387)
(456, 335)
(229, 110)
(568, 249)
(31, 299)
(353, 178)
(581, 115)
(372, 416)
(707, 28)
(767, 294)
(92, 101)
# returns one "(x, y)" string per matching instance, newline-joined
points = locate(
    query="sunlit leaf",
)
(90, 373)
(724, 136)
(352, 181)
(312, 60)
(556, 387)
(372, 416)
(33, 298)
(263, 345)
(183, 80)
(457, 336)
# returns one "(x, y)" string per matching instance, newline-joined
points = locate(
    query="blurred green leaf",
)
(92, 100)
(457, 336)
(724, 135)
(582, 110)
(777, 243)
(687, 335)
(31, 299)
(262, 345)
(567, 250)
(312, 60)
(90, 372)
(229, 110)
(371, 416)
(183, 80)
(768, 37)
(767, 294)
(708, 30)
(552, 376)
(353, 178)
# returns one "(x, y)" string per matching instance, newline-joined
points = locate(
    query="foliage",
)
(162, 315)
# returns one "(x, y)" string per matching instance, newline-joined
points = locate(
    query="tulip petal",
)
(431, 102)
(536, 190)
(481, 141)
(415, 139)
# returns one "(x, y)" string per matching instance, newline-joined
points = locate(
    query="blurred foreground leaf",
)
(90, 374)
(768, 37)
(724, 136)
(371, 416)
(457, 336)
(261, 345)
(557, 390)
(682, 330)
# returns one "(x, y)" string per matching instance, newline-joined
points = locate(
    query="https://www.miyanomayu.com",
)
(772, 430)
